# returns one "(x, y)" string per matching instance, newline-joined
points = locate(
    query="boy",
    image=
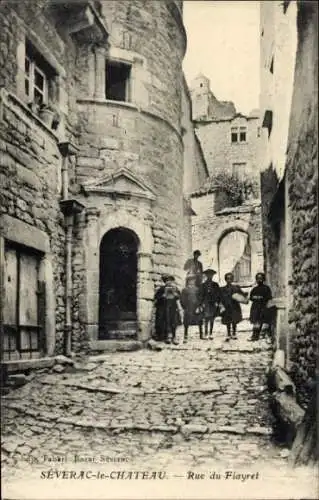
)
(171, 296)
(259, 296)
(210, 295)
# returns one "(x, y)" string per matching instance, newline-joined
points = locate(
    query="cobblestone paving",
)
(190, 405)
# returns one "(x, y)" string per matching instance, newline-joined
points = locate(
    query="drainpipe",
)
(69, 207)
(65, 177)
(69, 220)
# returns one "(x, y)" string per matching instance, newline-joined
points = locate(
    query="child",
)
(171, 296)
(232, 314)
(191, 302)
(210, 295)
(259, 296)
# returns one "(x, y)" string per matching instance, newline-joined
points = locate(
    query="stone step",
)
(122, 334)
(121, 325)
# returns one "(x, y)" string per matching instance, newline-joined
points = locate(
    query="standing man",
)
(210, 294)
(259, 296)
(194, 267)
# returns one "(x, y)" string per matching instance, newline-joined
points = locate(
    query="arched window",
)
(234, 255)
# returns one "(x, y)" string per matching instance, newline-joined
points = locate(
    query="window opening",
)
(238, 134)
(38, 77)
(23, 311)
(118, 81)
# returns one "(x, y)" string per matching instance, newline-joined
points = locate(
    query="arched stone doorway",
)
(234, 255)
(118, 284)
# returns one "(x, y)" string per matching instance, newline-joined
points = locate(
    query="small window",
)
(271, 68)
(38, 77)
(238, 134)
(234, 135)
(242, 134)
(118, 81)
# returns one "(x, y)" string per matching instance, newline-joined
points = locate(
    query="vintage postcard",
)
(158, 232)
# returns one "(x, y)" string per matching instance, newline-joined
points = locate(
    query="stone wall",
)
(277, 62)
(302, 180)
(31, 163)
(195, 169)
(289, 206)
(205, 105)
(156, 33)
(140, 142)
(141, 138)
(30, 158)
(209, 226)
(30, 184)
(220, 153)
(273, 233)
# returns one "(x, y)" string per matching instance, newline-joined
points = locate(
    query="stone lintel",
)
(82, 19)
(67, 149)
(69, 207)
(16, 230)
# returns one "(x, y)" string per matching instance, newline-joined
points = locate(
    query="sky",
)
(223, 44)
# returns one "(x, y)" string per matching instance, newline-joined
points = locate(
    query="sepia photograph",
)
(158, 249)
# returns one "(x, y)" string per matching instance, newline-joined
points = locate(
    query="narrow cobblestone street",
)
(184, 408)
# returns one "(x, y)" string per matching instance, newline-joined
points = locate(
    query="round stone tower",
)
(200, 92)
(130, 165)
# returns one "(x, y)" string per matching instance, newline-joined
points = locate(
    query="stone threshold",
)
(21, 365)
(115, 345)
(119, 427)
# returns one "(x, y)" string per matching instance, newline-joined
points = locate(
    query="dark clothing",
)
(167, 315)
(160, 317)
(232, 313)
(259, 296)
(191, 301)
(210, 296)
(194, 267)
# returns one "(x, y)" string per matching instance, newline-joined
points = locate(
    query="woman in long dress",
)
(232, 314)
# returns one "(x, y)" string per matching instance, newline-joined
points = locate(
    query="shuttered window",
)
(23, 309)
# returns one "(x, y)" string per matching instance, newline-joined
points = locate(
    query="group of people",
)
(202, 300)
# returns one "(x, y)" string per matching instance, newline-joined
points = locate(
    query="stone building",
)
(226, 228)
(289, 100)
(92, 170)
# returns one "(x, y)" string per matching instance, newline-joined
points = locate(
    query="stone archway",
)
(98, 225)
(118, 284)
(234, 255)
